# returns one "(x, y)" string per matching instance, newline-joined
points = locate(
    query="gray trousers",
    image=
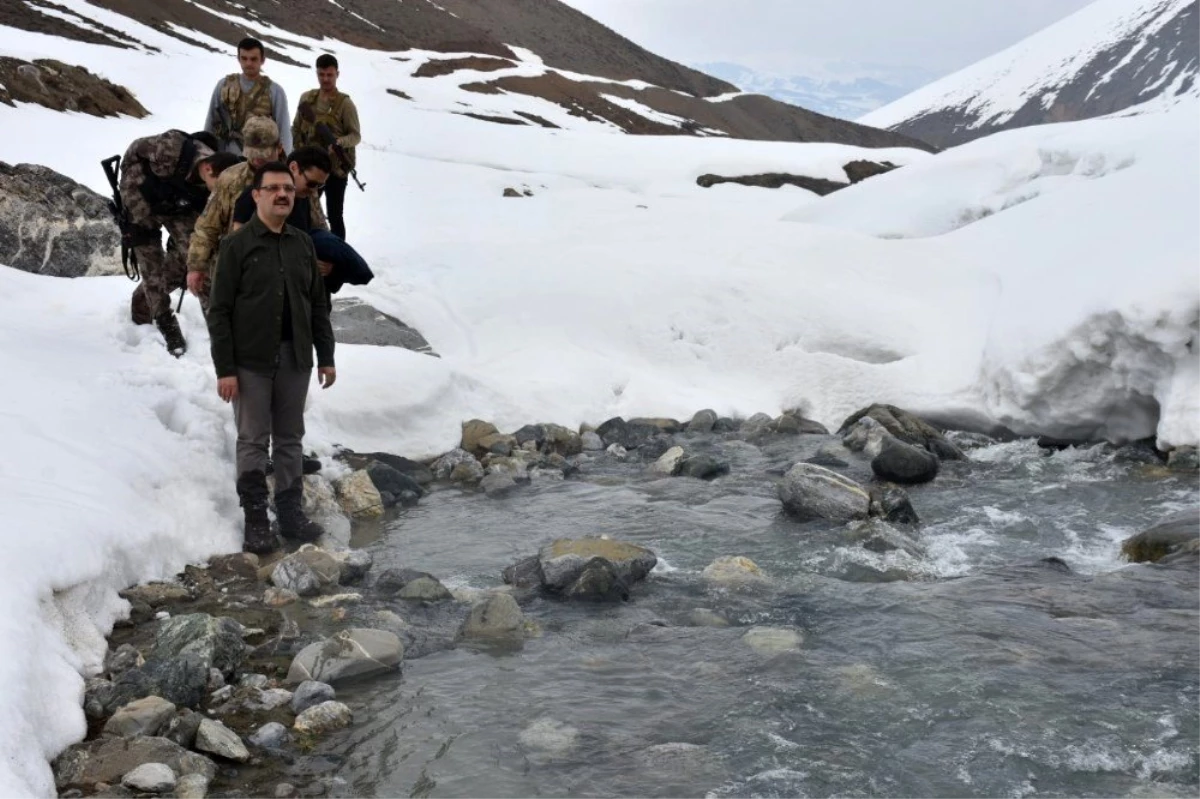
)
(270, 410)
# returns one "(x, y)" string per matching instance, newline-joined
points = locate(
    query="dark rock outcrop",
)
(51, 225)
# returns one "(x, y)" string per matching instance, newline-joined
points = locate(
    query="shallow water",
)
(985, 672)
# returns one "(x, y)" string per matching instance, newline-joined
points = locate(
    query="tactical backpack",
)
(174, 195)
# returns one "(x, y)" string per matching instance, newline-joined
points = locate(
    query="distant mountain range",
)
(1111, 56)
(845, 91)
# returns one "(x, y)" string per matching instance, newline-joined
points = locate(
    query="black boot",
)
(292, 521)
(168, 325)
(252, 489)
(312, 465)
(139, 308)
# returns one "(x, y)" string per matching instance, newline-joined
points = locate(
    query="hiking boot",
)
(139, 307)
(293, 523)
(168, 325)
(252, 490)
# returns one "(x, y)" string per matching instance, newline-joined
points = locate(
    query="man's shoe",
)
(257, 537)
(168, 325)
(293, 523)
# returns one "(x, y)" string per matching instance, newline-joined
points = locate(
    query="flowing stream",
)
(969, 666)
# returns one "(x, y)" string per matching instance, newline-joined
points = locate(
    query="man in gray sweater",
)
(239, 96)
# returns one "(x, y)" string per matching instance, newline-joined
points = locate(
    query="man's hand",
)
(195, 282)
(326, 375)
(324, 267)
(227, 387)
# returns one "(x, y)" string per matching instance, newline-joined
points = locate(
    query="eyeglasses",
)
(315, 185)
(277, 188)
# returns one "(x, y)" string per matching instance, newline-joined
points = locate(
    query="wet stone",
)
(215, 738)
(497, 615)
(323, 718)
(356, 652)
(271, 735)
(310, 693)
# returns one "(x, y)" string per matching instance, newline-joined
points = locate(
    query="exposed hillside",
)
(1108, 57)
(578, 61)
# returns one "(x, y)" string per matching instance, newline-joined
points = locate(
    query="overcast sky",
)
(935, 36)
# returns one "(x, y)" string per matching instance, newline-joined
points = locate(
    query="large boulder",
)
(473, 432)
(357, 652)
(1173, 534)
(182, 680)
(565, 559)
(51, 225)
(109, 759)
(813, 492)
(64, 87)
(903, 463)
(218, 641)
(906, 427)
(356, 322)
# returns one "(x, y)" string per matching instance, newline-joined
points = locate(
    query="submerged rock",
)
(357, 652)
(733, 570)
(772, 641)
(1167, 537)
(813, 492)
(893, 504)
(496, 616)
(703, 467)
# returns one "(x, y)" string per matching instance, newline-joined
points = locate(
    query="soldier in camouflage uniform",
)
(240, 96)
(165, 181)
(336, 110)
(261, 146)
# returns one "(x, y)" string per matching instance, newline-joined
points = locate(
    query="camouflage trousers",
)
(163, 271)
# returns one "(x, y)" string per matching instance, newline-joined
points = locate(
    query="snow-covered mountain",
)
(846, 92)
(1110, 56)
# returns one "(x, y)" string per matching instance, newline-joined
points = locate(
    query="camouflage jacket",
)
(341, 115)
(217, 220)
(160, 154)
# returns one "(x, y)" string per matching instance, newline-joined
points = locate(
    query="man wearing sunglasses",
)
(338, 262)
(267, 313)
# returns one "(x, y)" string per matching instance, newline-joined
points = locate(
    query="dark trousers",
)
(269, 410)
(335, 205)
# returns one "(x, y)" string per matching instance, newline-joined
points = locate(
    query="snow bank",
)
(1042, 279)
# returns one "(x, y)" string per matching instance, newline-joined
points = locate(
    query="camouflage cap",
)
(203, 153)
(260, 138)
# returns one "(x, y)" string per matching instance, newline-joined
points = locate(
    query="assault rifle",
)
(329, 140)
(129, 231)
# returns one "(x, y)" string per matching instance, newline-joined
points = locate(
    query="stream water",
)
(969, 667)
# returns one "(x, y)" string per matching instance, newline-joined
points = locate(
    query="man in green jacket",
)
(267, 311)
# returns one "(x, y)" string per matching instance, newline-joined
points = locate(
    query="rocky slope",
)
(1111, 56)
(584, 64)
